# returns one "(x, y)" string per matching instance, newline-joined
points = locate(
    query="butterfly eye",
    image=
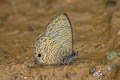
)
(39, 55)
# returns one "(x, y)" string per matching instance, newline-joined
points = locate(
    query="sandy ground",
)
(96, 31)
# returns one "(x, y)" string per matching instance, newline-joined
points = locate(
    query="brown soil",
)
(96, 30)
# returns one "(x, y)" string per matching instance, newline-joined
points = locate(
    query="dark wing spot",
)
(39, 55)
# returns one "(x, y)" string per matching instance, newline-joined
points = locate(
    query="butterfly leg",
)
(70, 58)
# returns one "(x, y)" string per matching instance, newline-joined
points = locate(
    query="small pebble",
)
(25, 78)
(6, 57)
(113, 66)
(43, 77)
(111, 3)
(26, 57)
(111, 55)
(103, 74)
(92, 70)
(68, 75)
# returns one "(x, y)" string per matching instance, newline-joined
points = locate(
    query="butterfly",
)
(55, 45)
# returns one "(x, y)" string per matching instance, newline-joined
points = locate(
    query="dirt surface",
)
(96, 31)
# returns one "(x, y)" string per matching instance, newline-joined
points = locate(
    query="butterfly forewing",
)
(60, 29)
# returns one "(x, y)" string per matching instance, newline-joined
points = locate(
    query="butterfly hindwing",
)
(59, 28)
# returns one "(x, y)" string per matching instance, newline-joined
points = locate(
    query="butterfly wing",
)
(60, 29)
